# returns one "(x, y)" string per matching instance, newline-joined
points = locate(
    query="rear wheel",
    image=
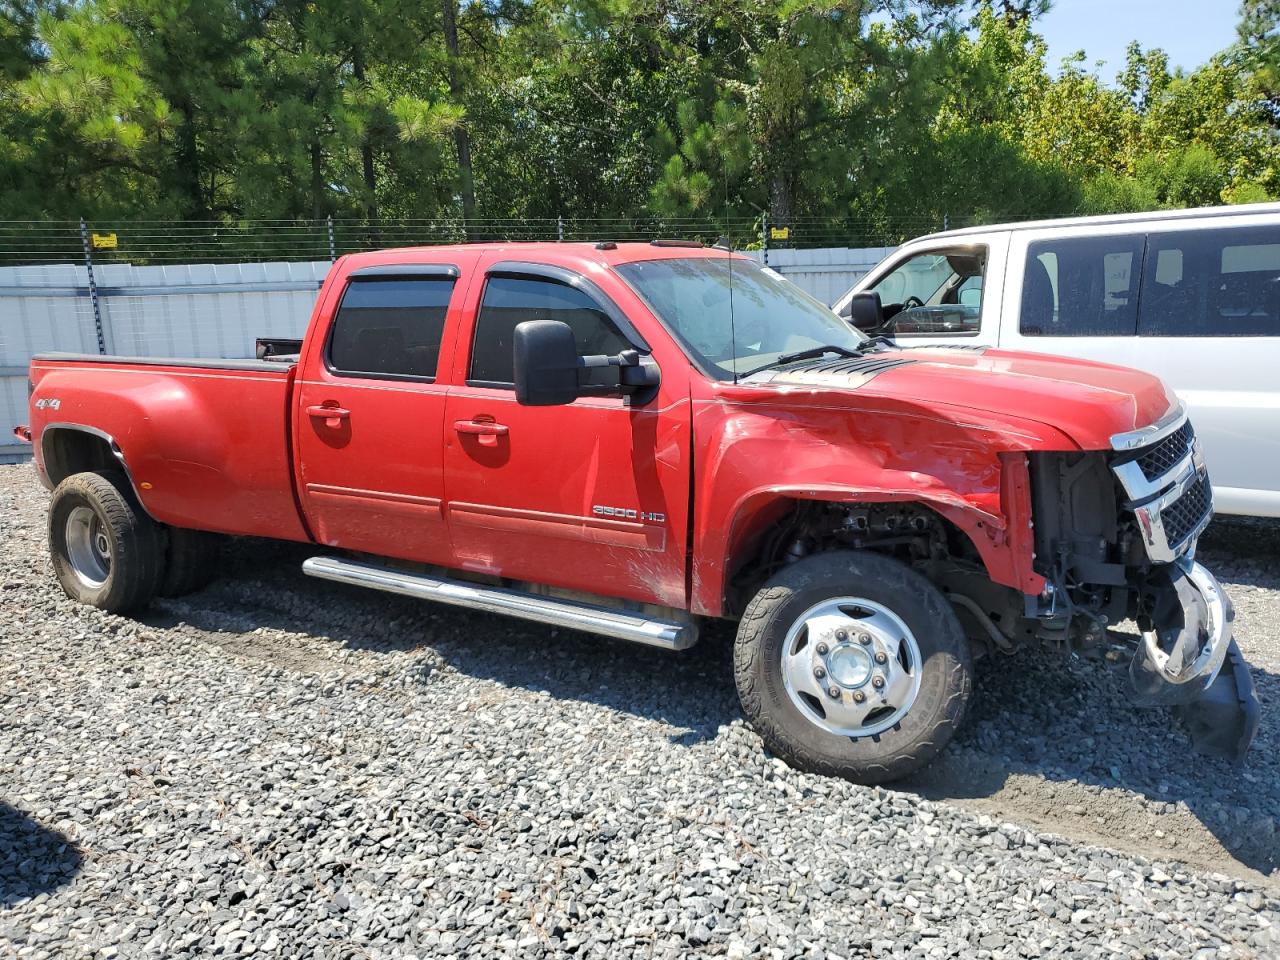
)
(106, 551)
(192, 561)
(853, 664)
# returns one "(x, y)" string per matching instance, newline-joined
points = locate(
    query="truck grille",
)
(1182, 517)
(1166, 454)
(1166, 486)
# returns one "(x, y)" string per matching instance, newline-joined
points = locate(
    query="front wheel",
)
(854, 665)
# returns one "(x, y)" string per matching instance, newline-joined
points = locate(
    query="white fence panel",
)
(826, 273)
(205, 310)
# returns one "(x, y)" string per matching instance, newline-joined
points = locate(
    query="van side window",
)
(1081, 287)
(509, 301)
(1212, 283)
(390, 328)
(938, 293)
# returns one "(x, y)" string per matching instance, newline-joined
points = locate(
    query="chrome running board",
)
(621, 624)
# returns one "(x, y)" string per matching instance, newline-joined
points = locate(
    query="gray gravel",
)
(285, 767)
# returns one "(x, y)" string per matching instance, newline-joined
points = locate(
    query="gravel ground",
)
(281, 766)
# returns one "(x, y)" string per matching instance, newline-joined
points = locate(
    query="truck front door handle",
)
(487, 431)
(333, 415)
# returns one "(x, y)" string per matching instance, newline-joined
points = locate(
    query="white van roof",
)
(1196, 213)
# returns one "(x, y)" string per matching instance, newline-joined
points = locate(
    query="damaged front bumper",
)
(1188, 659)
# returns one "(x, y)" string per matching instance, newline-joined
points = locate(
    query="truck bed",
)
(206, 441)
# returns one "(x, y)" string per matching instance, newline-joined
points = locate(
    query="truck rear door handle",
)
(333, 415)
(486, 430)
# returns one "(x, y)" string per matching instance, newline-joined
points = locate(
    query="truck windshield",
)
(770, 317)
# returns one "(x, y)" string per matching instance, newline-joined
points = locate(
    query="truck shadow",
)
(1050, 743)
(1057, 746)
(33, 858)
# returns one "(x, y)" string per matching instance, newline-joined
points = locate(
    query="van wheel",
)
(192, 561)
(106, 551)
(852, 664)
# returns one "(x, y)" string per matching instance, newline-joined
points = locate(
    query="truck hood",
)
(1087, 401)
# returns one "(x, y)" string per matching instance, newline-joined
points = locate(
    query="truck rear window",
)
(390, 327)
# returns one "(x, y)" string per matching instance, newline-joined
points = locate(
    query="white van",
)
(1192, 296)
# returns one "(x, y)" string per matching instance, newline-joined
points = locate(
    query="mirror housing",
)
(866, 312)
(546, 363)
(547, 368)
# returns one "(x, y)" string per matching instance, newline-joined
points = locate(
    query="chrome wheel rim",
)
(88, 547)
(852, 667)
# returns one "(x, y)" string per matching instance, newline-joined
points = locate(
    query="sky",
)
(1190, 31)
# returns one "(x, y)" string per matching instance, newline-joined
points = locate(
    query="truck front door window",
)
(510, 301)
(934, 293)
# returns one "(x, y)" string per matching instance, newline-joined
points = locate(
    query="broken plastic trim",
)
(1182, 651)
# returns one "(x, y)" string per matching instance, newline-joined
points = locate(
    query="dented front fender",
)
(765, 447)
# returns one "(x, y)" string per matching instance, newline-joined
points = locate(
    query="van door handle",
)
(333, 414)
(487, 431)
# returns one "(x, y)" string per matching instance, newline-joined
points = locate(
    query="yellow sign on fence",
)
(103, 241)
(779, 233)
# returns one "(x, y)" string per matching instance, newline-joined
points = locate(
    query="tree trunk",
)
(317, 181)
(190, 188)
(461, 139)
(781, 201)
(366, 151)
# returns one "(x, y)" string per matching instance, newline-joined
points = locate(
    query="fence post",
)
(333, 248)
(560, 229)
(764, 234)
(93, 287)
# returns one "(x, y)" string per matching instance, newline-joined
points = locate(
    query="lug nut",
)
(882, 657)
(859, 696)
(822, 649)
(864, 639)
(877, 681)
(842, 635)
(834, 692)
(819, 672)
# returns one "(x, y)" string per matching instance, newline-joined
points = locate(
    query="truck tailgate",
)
(205, 442)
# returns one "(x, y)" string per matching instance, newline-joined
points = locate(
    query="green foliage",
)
(881, 118)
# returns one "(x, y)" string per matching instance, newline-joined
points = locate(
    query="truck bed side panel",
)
(206, 445)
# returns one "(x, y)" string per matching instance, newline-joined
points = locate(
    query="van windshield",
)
(731, 315)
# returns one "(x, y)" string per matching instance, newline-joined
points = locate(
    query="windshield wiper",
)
(811, 354)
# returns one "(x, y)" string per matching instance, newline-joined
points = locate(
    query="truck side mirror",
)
(866, 312)
(546, 363)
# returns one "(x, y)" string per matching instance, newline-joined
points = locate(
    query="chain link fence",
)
(158, 242)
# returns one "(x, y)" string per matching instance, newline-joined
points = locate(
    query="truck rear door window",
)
(1212, 283)
(390, 327)
(1081, 287)
(509, 301)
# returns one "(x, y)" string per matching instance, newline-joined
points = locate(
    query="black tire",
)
(192, 561)
(945, 680)
(131, 562)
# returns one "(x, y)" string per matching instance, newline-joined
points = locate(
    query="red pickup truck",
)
(625, 438)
